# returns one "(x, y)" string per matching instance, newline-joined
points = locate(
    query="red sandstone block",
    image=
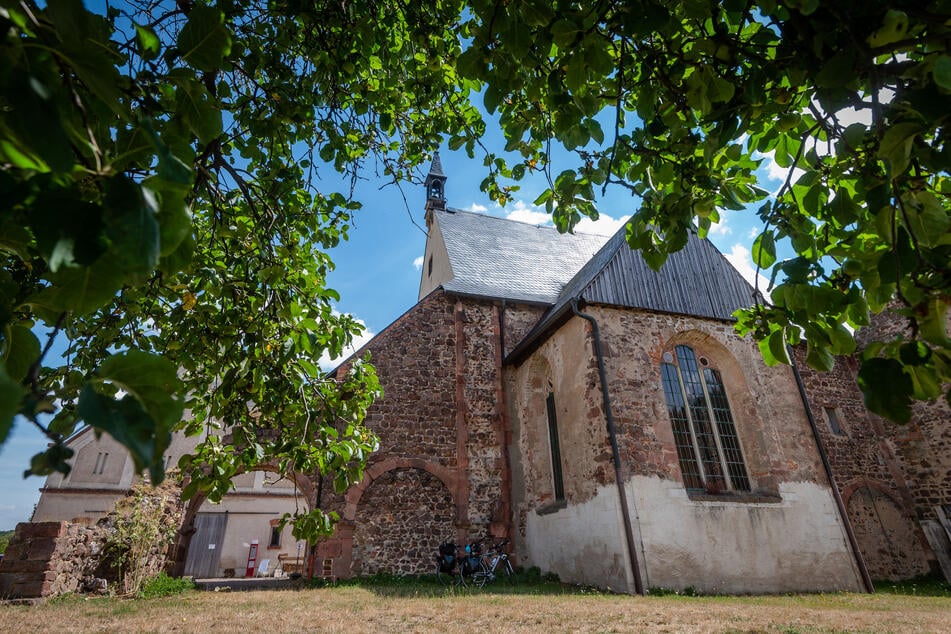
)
(16, 550)
(41, 547)
(27, 566)
(40, 529)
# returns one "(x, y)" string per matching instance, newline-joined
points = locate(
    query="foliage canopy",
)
(159, 166)
(852, 97)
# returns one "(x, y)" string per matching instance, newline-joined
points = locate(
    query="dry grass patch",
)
(405, 608)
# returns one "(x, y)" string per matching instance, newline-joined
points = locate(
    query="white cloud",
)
(723, 227)
(754, 232)
(8, 507)
(741, 259)
(776, 173)
(328, 363)
(476, 208)
(418, 263)
(604, 226)
(522, 211)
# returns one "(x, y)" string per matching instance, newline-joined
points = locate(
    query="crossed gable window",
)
(704, 433)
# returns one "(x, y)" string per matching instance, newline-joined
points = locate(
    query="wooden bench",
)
(291, 564)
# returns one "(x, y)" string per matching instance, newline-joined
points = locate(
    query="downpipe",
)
(840, 505)
(615, 452)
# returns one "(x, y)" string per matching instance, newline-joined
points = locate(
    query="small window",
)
(834, 421)
(100, 465)
(708, 447)
(275, 541)
(430, 267)
(556, 474)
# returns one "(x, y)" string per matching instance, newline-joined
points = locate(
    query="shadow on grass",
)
(428, 586)
(932, 585)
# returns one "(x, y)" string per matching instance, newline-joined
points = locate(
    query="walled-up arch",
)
(400, 514)
(885, 534)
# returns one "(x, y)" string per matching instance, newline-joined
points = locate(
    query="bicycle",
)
(495, 564)
(447, 564)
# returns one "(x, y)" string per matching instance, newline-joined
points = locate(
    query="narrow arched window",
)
(704, 433)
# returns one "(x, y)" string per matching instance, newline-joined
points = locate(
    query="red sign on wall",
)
(252, 559)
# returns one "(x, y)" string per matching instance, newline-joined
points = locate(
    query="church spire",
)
(435, 188)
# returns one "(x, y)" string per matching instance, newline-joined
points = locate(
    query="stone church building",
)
(554, 390)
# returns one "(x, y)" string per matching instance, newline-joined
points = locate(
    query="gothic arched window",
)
(704, 433)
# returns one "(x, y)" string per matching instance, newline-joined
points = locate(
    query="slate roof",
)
(505, 259)
(697, 281)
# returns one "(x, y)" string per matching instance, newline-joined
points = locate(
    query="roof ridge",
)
(456, 210)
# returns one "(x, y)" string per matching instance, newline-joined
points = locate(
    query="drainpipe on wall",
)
(853, 543)
(616, 454)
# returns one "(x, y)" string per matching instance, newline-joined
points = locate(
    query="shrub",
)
(165, 586)
(143, 526)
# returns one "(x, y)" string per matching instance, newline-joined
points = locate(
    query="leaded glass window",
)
(704, 432)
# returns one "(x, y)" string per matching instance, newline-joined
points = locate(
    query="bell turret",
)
(435, 187)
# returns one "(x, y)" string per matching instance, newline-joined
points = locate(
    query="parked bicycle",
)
(495, 565)
(471, 565)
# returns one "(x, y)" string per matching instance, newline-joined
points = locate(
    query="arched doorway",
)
(401, 519)
(886, 536)
(214, 539)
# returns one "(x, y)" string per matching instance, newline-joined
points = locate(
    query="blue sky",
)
(378, 271)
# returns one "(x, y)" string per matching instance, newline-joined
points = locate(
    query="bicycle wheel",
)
(441, 576)
(482, 576)
(507, 572)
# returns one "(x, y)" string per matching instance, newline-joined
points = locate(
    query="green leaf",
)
(20, 351)
(68, 230)
(205, 40)
(148, 41)
(942, 72)
(933, 325)
(151, 379)
(896, 145)
(887, 389)
(764, 250)
(132, 226)
(894, 28)
(926, 218)
(143, 418)
(130, 425)
(773, 348)
(198, 110)
(818, 356)
(80, 290)
(11, 394)
(174, 216)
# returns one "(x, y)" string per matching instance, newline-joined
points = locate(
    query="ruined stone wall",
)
(414, 358)
(47, 559)
(923, 447)
(481, 371)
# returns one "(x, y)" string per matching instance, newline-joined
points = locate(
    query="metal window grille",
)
(708, 447)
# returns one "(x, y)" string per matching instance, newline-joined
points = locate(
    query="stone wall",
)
(784, 535)
(441, 428)
(891, 477)
(400, 523)
(47, 559)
